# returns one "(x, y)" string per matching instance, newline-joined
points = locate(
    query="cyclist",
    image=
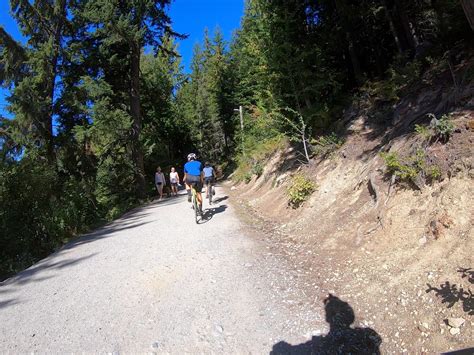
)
(193, 176)
(209, 177)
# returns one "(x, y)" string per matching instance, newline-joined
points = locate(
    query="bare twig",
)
(392, 182)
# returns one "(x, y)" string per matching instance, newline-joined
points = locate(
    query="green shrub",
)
(395, 166)
(442, 128)
(438, 129)
(324, 145)
(412, 168)
(247, 177)
(40, 211)
(434, 172)
(257, 169)
(300, 190)
(423, 131)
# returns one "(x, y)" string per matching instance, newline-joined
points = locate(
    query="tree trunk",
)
(392, 26)
(60, 13)
(137, 154)
(350, 43)
(408, 27)
(354, 58)
(468, 7)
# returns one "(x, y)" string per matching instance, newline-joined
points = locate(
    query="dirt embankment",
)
(401, 254)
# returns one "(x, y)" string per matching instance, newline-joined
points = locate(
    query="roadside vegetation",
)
(416, 168)
(300, 190)
(438, 129)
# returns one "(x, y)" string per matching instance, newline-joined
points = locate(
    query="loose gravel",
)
(154, 281)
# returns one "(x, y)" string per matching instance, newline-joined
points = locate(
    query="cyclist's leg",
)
(188, 191)
(193, 197)
(207, 184)
(212, 188)
(198, 187)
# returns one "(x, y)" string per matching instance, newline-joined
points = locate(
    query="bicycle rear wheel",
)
(210, 193)
(195, 206)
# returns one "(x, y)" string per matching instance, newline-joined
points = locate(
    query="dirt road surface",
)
(154, 281)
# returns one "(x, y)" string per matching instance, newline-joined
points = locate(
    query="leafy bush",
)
(40, 211)
(300, 190)
(442, 128)
(257, 169)
(324, 145)
(423, 131)
(434, 172)
(413, 169)
(438, 129)
(247, 178)
(395, 166)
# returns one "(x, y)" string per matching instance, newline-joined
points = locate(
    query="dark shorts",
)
(174, 184)
(193, 180)
(208, 180)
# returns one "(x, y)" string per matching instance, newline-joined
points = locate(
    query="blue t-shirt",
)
(193, 167)
(208, 171)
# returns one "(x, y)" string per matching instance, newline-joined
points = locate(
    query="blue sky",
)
(192, 16)
(188, 16)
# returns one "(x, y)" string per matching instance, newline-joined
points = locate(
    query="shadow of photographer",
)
(341, 339)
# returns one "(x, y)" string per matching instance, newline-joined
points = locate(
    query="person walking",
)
(160, 182)
(174, 181)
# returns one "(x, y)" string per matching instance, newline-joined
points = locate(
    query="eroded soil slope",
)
(401, 254)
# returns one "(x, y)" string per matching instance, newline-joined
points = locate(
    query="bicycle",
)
(195, 205)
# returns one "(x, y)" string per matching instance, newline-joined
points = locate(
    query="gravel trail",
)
(151, 281)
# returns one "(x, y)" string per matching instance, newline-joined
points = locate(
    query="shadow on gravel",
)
(29, 275)
(102, 233)
(168, 201)
(6, 303)
(128, 221)
(220, 199)
(452, 293)
(341, 339)
(210, 212)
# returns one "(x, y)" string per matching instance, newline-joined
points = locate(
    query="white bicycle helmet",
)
(191, 156)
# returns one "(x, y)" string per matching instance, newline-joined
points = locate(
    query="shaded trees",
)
(81, 119)
(205, 99)
(123, 29)
(35, 68)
